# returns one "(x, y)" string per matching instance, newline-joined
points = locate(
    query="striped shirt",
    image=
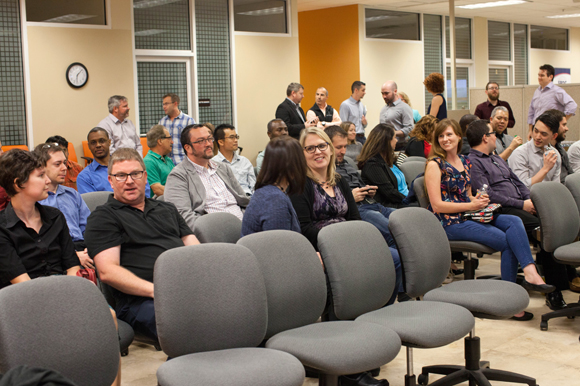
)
(175, 128)
(217, 196)
(551, 97)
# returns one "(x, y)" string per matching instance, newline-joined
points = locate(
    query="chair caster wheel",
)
(571, 317)
(423, 379)
(544, 325)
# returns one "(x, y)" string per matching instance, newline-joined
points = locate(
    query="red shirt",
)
(427, 148)
(72, 171)
(4, 198)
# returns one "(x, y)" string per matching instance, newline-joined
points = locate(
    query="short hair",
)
(96, 129)
(549, 69)
(499, 108)
(125, 154)
(549, 120)
(15, 168)
(378, 142)
(356, 85)
(283, 160)
(219, 132)
(324, 89)
(423, 130)
(465, 121)
(438, 151)
(115, 101)
(293, 87)
(435, 82)
(174, 97)
(404, 97)
(331, 175)
(44, 151)
(271, 124)
(475, 132)
(58, 139)
(557, 113)
(334, 130)
(184, 138)
(156, 133)
(491, 82)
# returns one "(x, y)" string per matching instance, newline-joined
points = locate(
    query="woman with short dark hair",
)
(283, 172)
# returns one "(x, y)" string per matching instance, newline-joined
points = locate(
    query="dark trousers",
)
(555, 273)
(361, 138)
(139, 312)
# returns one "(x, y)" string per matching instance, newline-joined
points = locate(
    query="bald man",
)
(327, 116)
(396, 113)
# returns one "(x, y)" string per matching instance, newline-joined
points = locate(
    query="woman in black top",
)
(35, 239)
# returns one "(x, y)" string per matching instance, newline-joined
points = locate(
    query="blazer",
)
(377, 172)
(286, 111)
(304, 208)
(186, 191)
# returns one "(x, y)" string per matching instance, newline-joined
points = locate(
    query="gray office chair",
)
(351, 162)
(94, 199)
(489, 299)
(415, 158)
(211, 312)
(296, 291)
(560, 223)
(469, 247)
(362, 274)
(573, 185)
(60, 323)
(219, 227)
(412, 169)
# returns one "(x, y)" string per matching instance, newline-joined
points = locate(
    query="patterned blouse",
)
(454, 187)
(328, 210)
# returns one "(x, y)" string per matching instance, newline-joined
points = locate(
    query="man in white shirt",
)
(121, 130)
(227, 143)
(327, 116)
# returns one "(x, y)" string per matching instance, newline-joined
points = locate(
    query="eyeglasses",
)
(166, 137)
(122, 177)
(490, 133)
(167, 104)
(233, 137)
(203, 141)
(493, 88)
(50, 145)
(311, 149)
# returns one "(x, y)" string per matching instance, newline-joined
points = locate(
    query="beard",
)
(493, 97)
(561, 137)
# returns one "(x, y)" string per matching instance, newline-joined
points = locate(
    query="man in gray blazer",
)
(198, 185)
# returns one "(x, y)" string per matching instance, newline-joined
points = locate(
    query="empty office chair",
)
(469, 247)
(219, 227)
(59, 323)
(10, 147)
(72, 154)
(491, 299)
(361, 274)
(296, 292)
(560, 222)
(573, 185)
(94, 199)
(414, 158)
(411, 170)
(211, 313)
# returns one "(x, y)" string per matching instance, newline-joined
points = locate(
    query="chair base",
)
(327, 380)
(475, 371)
(572, 310)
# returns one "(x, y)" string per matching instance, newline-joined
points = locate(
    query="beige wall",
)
(264, 66)
(56, 107)
(566, 59)
(480, 51)
(382, 60)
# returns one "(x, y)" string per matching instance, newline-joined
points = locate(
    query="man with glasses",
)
(199, 185)
(484, 110)
(505, 144)
(127, 234)
(175, 121)
(158, 164)
(94, 178)
(227, 144)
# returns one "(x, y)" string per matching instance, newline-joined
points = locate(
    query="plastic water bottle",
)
(482, 190)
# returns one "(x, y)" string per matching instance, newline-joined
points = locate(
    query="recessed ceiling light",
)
(263, 12)
(493, 4)
(68, 18)
(563, 16)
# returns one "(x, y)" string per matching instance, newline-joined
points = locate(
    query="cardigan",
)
(376, 172)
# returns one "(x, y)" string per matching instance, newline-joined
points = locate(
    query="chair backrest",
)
(72, 154)
(219, 227)
(419, 188)
(351, 162)
(359, 265)
(160, 198)
(415, 158)
(558, 214)
(209, 297)
(294, 278)
(423, 247)
(87, 155)
(10, 147)
(94, 199)
(573, 185)
(412, 169)
(145, 146)
(60, 323)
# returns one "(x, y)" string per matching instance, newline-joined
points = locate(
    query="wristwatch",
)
(323, 123)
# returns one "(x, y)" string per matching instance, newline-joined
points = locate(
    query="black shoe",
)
(457, 271)
(555, 301)
(543, 288)
(362, 379)
(525, 317)
(458, 257)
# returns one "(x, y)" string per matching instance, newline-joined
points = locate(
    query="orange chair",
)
(145, 147)
(10, 147)
(88, 156)
(72, 154)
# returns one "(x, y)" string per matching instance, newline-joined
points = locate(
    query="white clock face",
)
(77, 75)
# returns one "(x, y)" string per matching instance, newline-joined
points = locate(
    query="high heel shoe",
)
(542, 288)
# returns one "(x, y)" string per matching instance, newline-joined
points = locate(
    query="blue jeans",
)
(139, 313)
(505, 233)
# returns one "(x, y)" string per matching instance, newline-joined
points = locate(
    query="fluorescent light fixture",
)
(493, 4)
(152, 3)
(379, 35)
(149, 32)
(264, 12)
(563, 16)
(377, 18)
(68, 18)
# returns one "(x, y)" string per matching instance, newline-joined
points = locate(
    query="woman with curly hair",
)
(435, 84)
(422, 137)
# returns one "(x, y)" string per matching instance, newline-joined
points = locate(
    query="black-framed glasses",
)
(122, 177)
(493, 88)
(203, 141)
(490, 133)
(233, 137)
(166, 137)
(311, 149)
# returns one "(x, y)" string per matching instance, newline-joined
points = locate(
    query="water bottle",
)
(482, 190)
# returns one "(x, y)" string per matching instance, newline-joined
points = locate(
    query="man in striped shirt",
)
(174, 122)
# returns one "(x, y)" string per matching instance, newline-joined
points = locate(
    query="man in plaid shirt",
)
(174, 122)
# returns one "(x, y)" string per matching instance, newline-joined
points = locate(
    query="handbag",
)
(89, 274)
(484, 215)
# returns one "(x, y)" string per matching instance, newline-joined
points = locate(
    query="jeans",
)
(505, 233)
(139, 312)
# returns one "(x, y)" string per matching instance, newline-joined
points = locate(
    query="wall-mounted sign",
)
(204, 103)
(562, 75)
